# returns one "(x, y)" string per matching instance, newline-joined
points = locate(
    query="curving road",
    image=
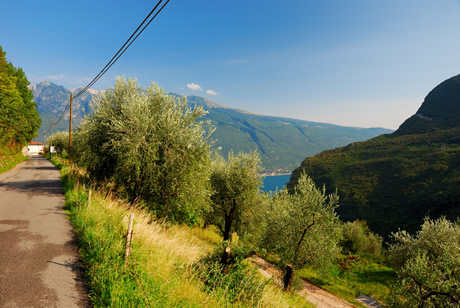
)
(39, 262)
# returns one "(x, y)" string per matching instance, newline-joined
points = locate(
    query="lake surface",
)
(275, 181)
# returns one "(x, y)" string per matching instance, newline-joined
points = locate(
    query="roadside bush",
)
(152, 146)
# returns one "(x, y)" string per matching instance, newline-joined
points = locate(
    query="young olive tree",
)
(151, 145)
(427, 265)
(303, 228)
(235, 191)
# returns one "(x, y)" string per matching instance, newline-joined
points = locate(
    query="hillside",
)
(395, 180)
(282, 142)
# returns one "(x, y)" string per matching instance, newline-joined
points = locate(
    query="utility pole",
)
(51, 139)
(70, 130)
(44, 141)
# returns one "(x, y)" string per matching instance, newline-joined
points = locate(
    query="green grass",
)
(161, 271)
(9, 158)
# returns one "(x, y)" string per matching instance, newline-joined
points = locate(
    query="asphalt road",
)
(39, 262)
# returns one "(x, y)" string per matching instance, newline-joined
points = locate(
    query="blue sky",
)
(366, 63)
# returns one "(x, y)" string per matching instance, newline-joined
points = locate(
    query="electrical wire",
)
(115, 58)
(125, 46)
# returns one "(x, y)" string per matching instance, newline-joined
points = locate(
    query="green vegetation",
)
(428, 265)
(9, 158)
(149, 149)
(358, 239)
(162, 271)
(362, 277)
(19, 119)
(151, 146)
(60, 142)
(302, 228)
(236, 279)
(392, 181)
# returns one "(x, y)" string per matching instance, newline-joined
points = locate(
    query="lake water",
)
(275, 181)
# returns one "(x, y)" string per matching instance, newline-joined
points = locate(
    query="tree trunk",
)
(227, 227)
(288, 279)
(228, 221)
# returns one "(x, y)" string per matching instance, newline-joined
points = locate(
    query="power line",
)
(119, 53)
(125, 46)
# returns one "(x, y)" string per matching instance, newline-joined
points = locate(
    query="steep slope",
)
(282, 143)
(395, 180)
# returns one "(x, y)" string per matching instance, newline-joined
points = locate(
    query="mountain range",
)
(396, 180)
(282, 142)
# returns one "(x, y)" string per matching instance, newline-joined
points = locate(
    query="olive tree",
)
(427, 265)
(303, 228)
(235, 191)
(60, 142)
(152, 145)
(357, 238)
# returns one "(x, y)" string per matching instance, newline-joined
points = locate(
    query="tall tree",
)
(19, 119)
(235, 190)
(303, 228)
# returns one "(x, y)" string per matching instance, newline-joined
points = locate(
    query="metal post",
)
(70, 130)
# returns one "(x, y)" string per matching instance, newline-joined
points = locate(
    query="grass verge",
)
(160, 272)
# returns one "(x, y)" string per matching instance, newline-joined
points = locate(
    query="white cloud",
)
(211, 92)
(56, 77)
(194, 86)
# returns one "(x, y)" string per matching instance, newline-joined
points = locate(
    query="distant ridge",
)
(393, 181)
(282, 142)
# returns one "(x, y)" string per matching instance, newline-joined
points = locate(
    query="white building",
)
(35, 148)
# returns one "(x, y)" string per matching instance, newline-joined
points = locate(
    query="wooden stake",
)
(129, 238)
(89, 198)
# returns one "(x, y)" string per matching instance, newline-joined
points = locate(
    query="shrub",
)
(357, 238)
